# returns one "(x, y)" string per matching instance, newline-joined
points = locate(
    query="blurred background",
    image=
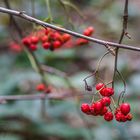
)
(23, 120)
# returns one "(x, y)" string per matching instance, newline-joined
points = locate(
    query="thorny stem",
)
(22, 14)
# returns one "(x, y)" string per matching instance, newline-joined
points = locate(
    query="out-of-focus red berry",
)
(66, 37)
(46, 45)
(34, 39)
(40, 87)
(33, 47)
(44, 38)
(26, 41)
(56, 44)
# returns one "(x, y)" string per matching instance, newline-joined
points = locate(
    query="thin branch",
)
(44, 24)
(52, 70)
(31, 57)
(125, 21)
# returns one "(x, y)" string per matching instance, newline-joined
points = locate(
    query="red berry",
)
(129, 117)
(46, 45)
(33, 47)
(81, 41)
(15, 47)
(85, 108)
(106, 101)
(107, 92)
(34, 39)
(98, 107)
(120, 117)
(104, 111)
(117, 110)
(66, 37)
(56, 36)
(99, 86)
(92, 109)
(47, 31)
(40, 87)
(88, 31)
(102, 92)
(26, 41)
(44, 38)
(108, 116)
(57, 44)
(125, 108)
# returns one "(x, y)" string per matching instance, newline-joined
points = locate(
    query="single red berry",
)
(108, 116)
(125, 108)
(15, 47)
(66, 37)
(91, 29)
(44, 38)
(129, 117)
(118, 116)
(85, 108)
(81, 41)
(46, 45)
(104, 111)
(93, 111)
(106, 101)
(33, 47)
(57, 44)
(99, 86)
(40, 87)
(56, 36)
(102, 92)
(98, 107)
(26, 41)
(34, 39)
(88, 31)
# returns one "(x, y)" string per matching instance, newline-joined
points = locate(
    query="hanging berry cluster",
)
(50, 39)
(102, 106)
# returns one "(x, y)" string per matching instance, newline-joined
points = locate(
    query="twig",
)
(125, 20)
(52, 70)
(30, 55)
(54, 96)
(44, 24)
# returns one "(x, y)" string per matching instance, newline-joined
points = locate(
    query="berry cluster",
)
(51, 39)
(42, 88)
(102, 106)
(122, 113)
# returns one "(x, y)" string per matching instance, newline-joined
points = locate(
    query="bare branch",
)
(23, 15)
